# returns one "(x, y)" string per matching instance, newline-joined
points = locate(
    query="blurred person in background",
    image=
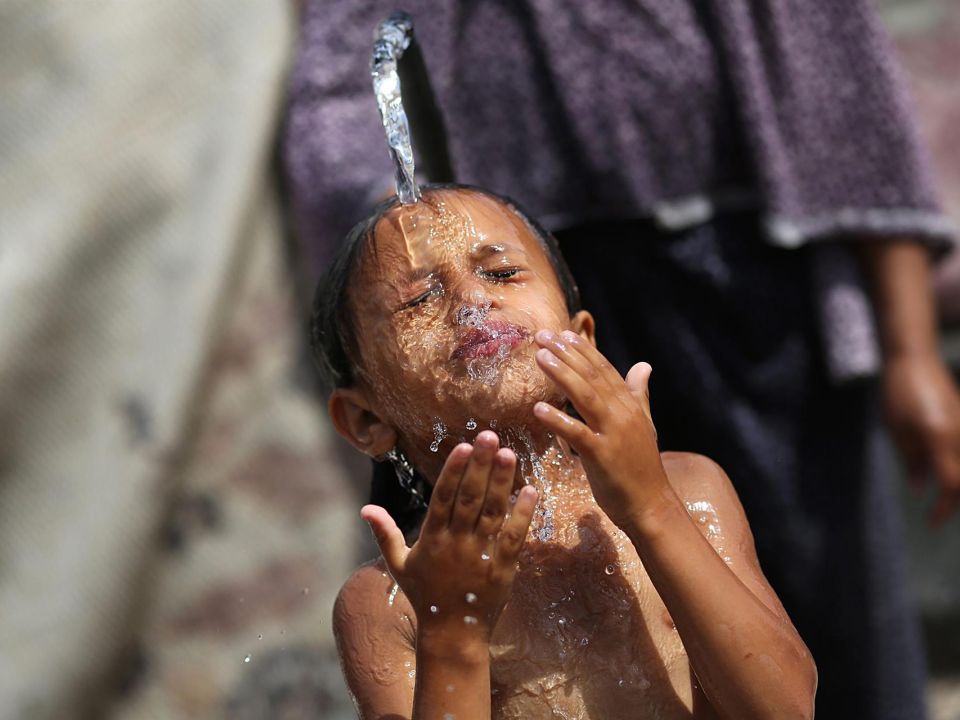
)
(758, 165)
(171, 513)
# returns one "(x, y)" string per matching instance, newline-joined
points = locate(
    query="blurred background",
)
(176, 515)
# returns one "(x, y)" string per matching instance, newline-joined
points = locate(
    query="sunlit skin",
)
(407, 306)
(630, 608)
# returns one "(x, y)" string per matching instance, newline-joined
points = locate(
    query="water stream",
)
(391, 38)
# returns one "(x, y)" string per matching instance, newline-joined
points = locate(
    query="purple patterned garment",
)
(668, 109)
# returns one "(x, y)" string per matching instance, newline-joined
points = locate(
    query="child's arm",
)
(745, 652)
(456, 577)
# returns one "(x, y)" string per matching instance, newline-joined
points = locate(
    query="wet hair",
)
(333, 336)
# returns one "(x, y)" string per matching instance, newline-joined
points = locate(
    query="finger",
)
(496, 503)
(916, 460)
(946, 505)
(445, 489)
(473, 486)
(514, 531)
(948, 474)
(570, 429)
(638, 383)
(594, 357)
(388, 536)
(585, 398)
(564, 347)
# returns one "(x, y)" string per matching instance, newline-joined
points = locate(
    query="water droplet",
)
(471, 424)
(259, 637)
(246, 659)
(450, 688)
(471, 598)
(439, 433)
(412, 674)
(306, 591)
(484, 556)
(610, 569)
(393, 594)
(434, 609)
(470, 620)
(493, 424)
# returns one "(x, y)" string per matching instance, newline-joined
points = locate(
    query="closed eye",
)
(423, 297)
(500, 273)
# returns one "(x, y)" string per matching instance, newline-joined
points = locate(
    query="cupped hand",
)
(616, 439)
(459, 571)
(923, 412)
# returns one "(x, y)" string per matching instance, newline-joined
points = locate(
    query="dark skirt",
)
(728, 323)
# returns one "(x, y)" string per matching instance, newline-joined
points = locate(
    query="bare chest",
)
(585, 634)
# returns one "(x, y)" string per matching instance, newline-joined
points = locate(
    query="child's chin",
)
(509, 401)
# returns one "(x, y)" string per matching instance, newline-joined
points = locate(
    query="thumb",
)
(389, 538)
(948, 473)
(638, 383)
(916, 457)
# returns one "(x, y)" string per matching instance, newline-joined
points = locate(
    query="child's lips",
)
(486, 340)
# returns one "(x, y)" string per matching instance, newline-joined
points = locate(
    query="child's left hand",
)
(617, 441)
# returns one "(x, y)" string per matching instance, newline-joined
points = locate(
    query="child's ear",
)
(583, 324)
(353, 418)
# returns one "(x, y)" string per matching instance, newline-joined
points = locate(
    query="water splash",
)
(474, 315)
(705, 515)
(531, 469)
(391, 38)
(486, 369)
(439, 433)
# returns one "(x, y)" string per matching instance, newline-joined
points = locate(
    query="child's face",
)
(446, 305)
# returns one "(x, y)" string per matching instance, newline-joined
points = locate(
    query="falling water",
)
(391, 38)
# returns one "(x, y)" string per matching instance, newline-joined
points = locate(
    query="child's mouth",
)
(488, 339)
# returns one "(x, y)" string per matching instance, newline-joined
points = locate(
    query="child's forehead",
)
(448, 224)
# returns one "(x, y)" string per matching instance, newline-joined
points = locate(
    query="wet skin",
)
(624, 550)
(414, 299)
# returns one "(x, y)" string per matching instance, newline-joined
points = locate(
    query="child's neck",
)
(547, 463)
(543, 460)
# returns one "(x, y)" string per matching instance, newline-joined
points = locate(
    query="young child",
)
(564, 567)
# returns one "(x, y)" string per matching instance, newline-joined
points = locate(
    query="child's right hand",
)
(458, 574)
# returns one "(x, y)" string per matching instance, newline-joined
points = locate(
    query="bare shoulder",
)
(374, 630)
(708, 493)
(696, 477)
(369, 597)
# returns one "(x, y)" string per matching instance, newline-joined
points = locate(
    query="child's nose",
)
(473, 305)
